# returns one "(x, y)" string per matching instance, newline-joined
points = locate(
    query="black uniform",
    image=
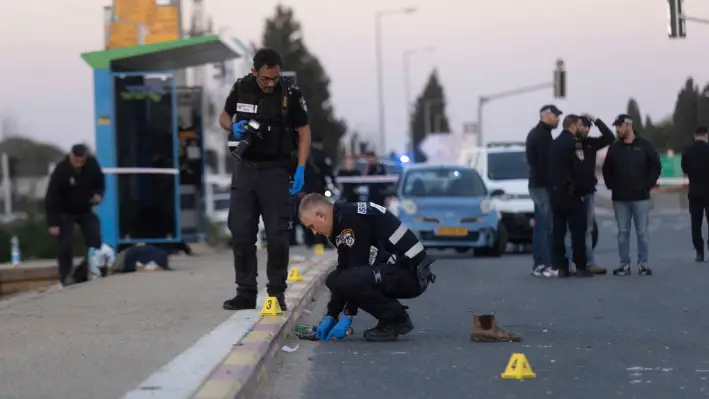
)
(376, 190)
(261, 183)
(695, 164)
(68, 201)
(537, 150)
(379, 260)
(631, 170)
(591, 146)
(568, 185)
(317, 169)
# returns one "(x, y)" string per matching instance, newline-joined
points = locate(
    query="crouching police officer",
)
(378, 261)
(261, 180)
(568, 186)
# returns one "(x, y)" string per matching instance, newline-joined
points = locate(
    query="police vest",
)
(271, 111)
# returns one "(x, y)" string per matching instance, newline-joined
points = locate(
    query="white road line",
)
(180, 378)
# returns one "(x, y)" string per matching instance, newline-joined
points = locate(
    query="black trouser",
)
(568, 210)
(698, 210)
(90, 229)
(376, 289)
(260, 190)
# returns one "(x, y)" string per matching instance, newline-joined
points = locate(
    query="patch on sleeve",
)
(362, 208)
(302, 104)
(346, 237)
(378, 207)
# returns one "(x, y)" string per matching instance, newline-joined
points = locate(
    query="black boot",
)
(282, 301)
(383, 332)
(240, 302)
(404, 325)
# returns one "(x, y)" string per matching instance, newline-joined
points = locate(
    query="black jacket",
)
(362, 230)
(70, 190)
(537, 147)
(567, 165)
(591, 145)
(695, 164)
(631, 170)
(316, 169)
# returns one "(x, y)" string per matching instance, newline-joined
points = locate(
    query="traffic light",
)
(676, 28)
(560, 80)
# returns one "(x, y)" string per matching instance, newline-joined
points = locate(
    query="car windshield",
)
(443, 182)
(507, 165)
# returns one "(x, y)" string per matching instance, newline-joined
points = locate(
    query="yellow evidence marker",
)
(319, 249)
(271, 307)
(518, 368)
(294, 275)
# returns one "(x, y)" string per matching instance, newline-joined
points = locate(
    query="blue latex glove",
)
(298, 180)
(324, 327)
(340, 328)
(238, 129)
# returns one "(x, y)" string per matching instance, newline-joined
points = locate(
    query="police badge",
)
(579, 155)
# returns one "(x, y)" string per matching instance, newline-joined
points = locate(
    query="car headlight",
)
(486, 206)
(408, 206)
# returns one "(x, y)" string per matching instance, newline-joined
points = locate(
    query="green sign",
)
(135, 93)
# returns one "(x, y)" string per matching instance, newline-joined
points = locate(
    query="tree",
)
(660, 134)
(283, 34)
(703, 107)
(429, 114)
(634, 113)
(33, 158)
(685, 118)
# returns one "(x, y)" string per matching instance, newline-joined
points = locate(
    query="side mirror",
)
(497, 193)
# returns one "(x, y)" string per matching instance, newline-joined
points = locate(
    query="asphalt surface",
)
(604, 337)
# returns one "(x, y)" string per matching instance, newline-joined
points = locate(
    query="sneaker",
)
(699, 257)
(564, 273)
(549, 272)
(383, 332)
(623, 270)
(643, 269)
(240, 302)
(584, 273)
(595, 269)
(538, 270)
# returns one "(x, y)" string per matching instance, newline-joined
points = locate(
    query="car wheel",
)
(500, 246)
(594, 234)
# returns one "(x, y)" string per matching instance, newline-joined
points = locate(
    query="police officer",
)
(317, 171)
(374, 168)
(695, 164)
(349, 190)
(591, 146)
(567, 187)
(261, 179)
(379, 261)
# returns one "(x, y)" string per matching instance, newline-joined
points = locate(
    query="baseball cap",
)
(550, 108)
(621, 119)
(79, 150)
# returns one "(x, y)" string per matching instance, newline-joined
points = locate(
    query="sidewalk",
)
(102, 339)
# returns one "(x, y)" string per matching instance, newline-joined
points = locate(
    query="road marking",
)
(181, 377)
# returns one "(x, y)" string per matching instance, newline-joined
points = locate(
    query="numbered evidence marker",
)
(518, 368)
(271, 307)
(295, 275)
(319, 249)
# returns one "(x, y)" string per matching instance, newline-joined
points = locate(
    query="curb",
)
(241, 372)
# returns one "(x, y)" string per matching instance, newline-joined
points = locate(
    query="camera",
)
(238, 148)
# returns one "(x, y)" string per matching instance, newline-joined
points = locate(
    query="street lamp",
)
(380, 73)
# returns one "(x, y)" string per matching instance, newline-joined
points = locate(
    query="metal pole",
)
(407, 85)
(380, 83)
(481, 103)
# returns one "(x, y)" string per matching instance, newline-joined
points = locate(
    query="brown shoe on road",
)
(486, 329)
(595, 269)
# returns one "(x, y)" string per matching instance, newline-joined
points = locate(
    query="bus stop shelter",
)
(149, 138)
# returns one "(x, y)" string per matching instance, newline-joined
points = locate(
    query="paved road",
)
(605, 337)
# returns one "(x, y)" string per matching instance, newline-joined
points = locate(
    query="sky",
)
(613, 50)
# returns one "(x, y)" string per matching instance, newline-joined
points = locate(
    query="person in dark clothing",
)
(537, 148)
(568, 185)
(261, 185)
(349, 190)
(695, 164)
(630, 171)
(364, 279)
(76, 185)
(591, 146)
(317, 171)
(375, 190)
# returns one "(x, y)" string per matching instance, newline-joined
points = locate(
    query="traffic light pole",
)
(483, 100)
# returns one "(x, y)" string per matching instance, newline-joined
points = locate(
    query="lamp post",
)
(380, 73)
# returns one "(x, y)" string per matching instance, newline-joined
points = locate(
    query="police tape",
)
(368, 179)
(141, 171)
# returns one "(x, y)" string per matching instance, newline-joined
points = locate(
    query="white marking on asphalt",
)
(181, 378)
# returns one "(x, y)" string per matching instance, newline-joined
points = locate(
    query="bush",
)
(35, 240)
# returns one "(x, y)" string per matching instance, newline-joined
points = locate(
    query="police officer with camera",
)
(267, 118)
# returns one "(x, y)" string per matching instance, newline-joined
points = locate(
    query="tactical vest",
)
(271, 110)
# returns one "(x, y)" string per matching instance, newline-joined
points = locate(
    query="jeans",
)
(639, 212)
(590, 200)
(541, 233)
